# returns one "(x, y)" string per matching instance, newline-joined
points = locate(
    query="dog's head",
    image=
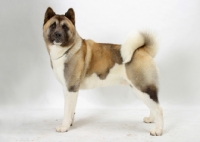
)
(59, 29)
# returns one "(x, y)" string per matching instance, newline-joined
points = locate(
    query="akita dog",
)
(85, 64)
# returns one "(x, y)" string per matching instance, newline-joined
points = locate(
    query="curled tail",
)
(135, 41)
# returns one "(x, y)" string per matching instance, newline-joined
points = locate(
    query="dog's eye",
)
(53, 25)
(65, 27)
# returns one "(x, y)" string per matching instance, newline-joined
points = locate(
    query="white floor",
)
(97, 125)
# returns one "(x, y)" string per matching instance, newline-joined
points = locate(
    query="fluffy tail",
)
(135, 41)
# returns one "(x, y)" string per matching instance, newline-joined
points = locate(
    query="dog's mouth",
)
(56, 42)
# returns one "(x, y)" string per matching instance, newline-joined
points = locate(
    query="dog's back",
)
(83, 64)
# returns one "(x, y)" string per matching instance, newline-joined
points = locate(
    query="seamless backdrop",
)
(26, 78)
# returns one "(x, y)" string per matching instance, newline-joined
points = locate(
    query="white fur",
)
(55, 43)
(136, 40)
(69, 109)
(115, 76)
(69, 105)
(58, 58)
(70, 97)
(155, 112)
(56, 51)
(149, 119)
(132, 42)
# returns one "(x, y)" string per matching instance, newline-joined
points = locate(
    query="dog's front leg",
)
(69, 109)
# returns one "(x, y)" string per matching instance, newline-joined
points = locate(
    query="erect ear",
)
(48, 14)
(70, 15)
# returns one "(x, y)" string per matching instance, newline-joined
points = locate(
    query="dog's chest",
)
(58, 69)
(58, 59)
(57, 51)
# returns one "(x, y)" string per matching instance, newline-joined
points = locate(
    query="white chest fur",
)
(57, 51)
(58, 59)
(58, 68)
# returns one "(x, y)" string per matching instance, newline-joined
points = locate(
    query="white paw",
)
(156, 132)
(148, 120)
(62, 128)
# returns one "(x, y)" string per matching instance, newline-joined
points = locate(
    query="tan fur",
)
(74, 70)
(103, 58)
(76, 60)
(100, 59)
(61, 19)
(142, 71)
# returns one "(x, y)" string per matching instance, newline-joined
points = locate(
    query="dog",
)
(85, 64)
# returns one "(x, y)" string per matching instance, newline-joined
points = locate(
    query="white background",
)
(25, 72)
(26, 78)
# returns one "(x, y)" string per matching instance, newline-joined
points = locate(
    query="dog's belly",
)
(116, 76)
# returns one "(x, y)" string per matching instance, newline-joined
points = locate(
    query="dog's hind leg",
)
(155, 110)
(141, 73)
(149, 119)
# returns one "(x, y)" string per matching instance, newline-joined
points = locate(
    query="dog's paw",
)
(156, 132)
(148, 120)
(62, 128)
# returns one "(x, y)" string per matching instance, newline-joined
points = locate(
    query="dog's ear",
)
(70, 14)
(48, 14)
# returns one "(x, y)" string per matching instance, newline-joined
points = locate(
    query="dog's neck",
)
(57, 51)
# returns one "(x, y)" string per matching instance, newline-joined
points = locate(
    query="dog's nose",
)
(57, 35)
